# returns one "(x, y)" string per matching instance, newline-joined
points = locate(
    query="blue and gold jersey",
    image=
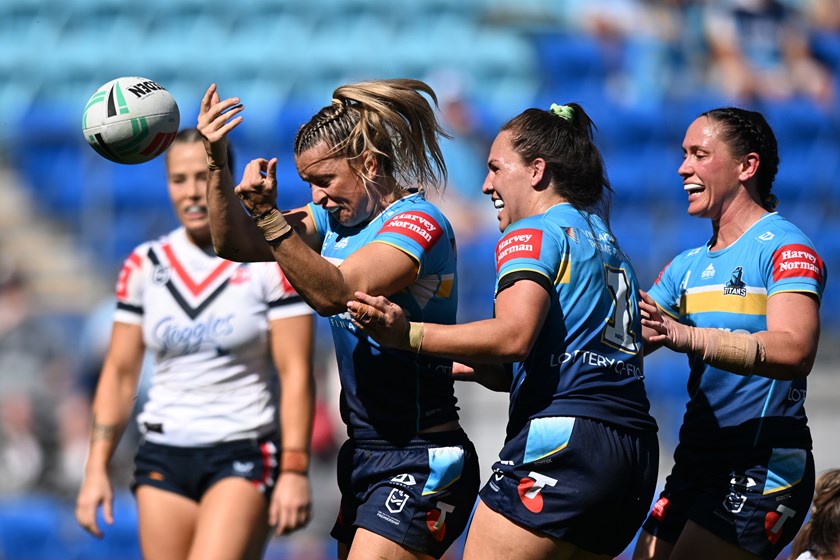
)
(729, 289)
(386, 392)
(587, 359)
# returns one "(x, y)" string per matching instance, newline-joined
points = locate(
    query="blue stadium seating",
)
(26, 524)
(288, 70)
(303, 51)
(571, 65)
(826, 47)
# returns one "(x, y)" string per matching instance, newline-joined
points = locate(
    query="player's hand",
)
(291, 503)
(215, 119)
(463, 372)
(95, 491)
(496, 377)
(258, 188)
(666, 331)
(378, 318)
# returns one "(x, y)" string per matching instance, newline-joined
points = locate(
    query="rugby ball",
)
(130, 120)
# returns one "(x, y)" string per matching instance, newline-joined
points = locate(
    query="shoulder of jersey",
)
(142, 250)
(776, 228)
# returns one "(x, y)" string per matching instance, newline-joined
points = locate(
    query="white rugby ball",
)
(130, 120)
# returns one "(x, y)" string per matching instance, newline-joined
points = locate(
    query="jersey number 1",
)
(618, 331)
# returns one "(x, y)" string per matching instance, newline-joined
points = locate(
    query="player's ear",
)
(537, 169)
(370, 165)
(749, 166)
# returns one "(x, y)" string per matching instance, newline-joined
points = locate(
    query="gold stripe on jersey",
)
(555, 450)
(712, 299)
(780, 488)
(667, 311)
(564, 274)
(398, 248)
(447, 281)
(528, 269)
(311, 215)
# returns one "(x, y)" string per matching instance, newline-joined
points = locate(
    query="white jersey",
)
(205, 321)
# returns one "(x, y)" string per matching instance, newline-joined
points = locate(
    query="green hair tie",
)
(562, 111)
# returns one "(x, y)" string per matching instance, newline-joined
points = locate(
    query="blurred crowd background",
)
(643, 69)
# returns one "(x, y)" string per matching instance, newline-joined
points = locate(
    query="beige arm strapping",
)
(413, 337)
(273, 225)
(735, 352)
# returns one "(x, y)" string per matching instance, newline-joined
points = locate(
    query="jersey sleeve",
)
(665, 290)
(130, 286)
(282, 299)
(528, 252)
(320, 218)
(414, 232)
(797, 267)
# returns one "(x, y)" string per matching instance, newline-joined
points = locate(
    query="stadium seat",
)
(679, 111)
(434, 41)
(826, 47)
(635, 227)
(570, 63)
(666, 377)
(28, 526)
(477, 276)
(808, 144)
(502, 63)
(55, 171)
(515, 54)
(22, 30)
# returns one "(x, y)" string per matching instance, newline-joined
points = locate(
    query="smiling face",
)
(711, 175)
(336, 186)
(186, 172)
(508, 182)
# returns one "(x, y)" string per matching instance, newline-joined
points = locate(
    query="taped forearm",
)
(412, 339)
(735, 352)
(273, 225)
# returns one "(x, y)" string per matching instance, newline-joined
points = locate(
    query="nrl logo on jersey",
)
(735, 286)
(396, 500)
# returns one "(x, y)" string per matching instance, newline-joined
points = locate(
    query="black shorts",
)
(420, 495)
(577, 480)
(191, 471)
(756, 499)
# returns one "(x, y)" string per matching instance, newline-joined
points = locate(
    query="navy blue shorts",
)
(756, 499)
(191, 471)
(419, 495)
(577, 480)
